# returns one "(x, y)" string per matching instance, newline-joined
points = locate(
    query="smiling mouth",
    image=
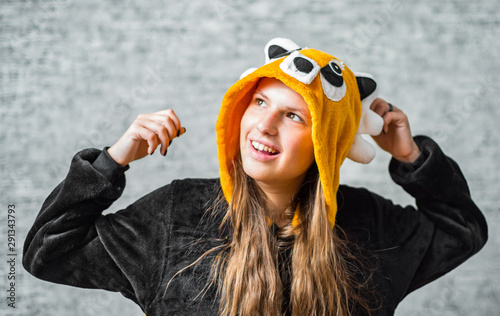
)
(264, 149)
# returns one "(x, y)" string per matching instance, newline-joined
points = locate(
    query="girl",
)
(276, 234)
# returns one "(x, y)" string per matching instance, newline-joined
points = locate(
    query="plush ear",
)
(371, 123)
(368, 88)
(279, 47)
(276, 48)
(247, 72)
(361, 150)
(366, 85)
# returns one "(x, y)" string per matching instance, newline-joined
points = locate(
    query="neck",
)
(280, 197)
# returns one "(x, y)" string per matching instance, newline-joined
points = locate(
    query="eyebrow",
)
(290, 108)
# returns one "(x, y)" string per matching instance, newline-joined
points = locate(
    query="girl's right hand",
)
(145, 134)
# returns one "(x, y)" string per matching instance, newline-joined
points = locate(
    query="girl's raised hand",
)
(145, 134)
(396, 137)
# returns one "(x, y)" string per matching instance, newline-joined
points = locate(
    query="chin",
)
(259, 174)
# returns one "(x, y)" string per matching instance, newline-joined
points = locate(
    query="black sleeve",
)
(109, 168)
(72, 243)
(416, 246)
(442, 195)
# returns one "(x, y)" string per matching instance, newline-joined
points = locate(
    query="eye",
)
(295, 117)
(260, 102)
(332, 80)
(335, 68)
(333, 74)
(300, 67)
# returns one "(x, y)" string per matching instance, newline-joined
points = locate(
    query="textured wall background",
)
(75, 74)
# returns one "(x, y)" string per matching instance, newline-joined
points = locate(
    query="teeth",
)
(261, 147)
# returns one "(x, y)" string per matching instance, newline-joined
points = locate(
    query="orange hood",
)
(334, 95)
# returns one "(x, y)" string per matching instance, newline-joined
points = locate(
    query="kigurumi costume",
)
(338, 101)
(138, 250)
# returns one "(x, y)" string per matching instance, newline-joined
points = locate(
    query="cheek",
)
(302, 147)
(245, 127)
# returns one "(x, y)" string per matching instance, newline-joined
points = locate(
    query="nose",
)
(268, 124)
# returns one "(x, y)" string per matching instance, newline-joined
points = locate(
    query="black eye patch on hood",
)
(333, 74)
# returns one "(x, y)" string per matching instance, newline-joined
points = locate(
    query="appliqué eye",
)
(300, 67)
(335, 68)
(332, 80)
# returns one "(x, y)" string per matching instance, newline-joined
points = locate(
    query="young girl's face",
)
(275, 136)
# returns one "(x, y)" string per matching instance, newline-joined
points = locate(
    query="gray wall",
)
(75, 74)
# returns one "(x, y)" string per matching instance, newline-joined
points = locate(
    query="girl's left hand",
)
(396, 137)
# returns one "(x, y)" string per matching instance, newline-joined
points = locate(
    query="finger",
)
(172, 129)
(173, 118)
(169, 126)
(393, 108)
(149, 136)
(183, 130)
(389, 118)
(381, 107)
(163, 133)
(165, 124)
(395, 118)
(171, 121)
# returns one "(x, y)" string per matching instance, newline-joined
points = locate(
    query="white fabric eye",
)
(300, 67)
(332, 80)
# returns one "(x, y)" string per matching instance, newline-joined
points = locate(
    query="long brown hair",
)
(324, 271)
